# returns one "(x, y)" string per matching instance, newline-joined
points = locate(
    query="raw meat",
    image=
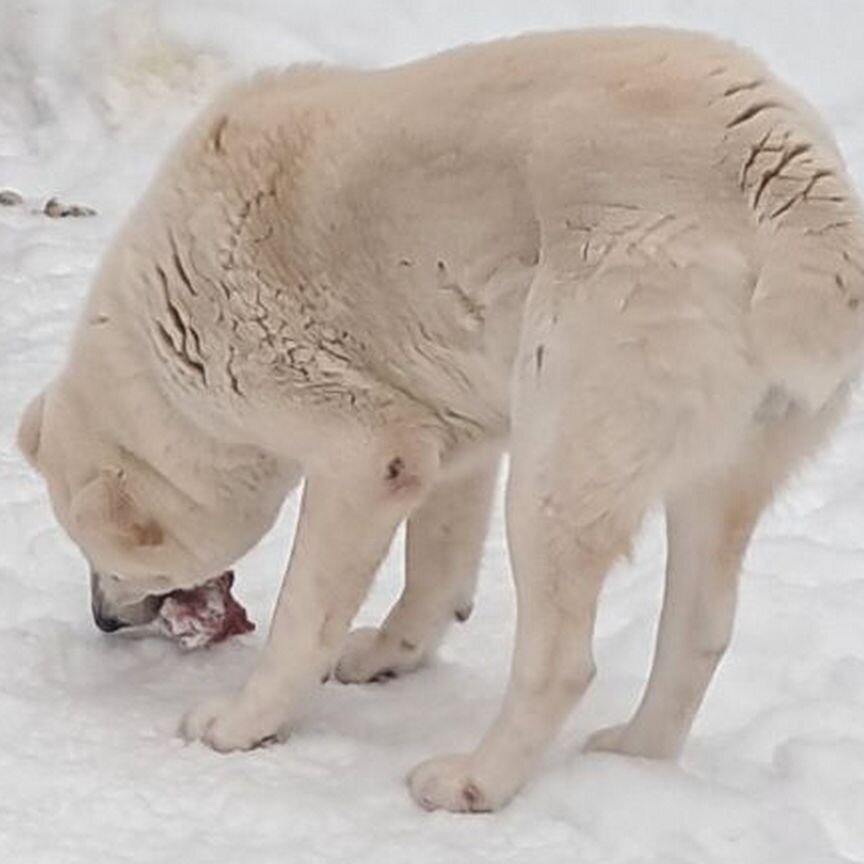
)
(204, 615)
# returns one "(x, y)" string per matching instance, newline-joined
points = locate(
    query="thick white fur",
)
(632, 258)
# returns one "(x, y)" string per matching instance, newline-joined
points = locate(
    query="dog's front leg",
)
(444, 544)
(347, 521)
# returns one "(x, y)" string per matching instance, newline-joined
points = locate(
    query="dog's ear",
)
(105, 509)
(30, 430)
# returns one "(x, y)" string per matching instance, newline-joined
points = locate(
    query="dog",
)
(633, 259)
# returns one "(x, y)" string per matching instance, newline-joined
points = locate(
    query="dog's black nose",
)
(106, 623)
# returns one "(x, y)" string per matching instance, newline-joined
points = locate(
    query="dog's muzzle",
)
(110, 618)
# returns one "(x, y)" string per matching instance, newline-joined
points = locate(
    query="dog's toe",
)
(371, 655)
(226, 725)
(448, 783)
(197, 721)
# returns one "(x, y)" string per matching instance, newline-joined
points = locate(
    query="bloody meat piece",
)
(204, 615)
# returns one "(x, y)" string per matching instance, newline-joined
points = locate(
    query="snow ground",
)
(90, 93)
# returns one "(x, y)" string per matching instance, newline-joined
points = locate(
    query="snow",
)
(91, 92)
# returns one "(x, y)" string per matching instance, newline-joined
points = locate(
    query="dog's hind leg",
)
(563, 539)
(709, 523)
(599, 424)
(444, 545)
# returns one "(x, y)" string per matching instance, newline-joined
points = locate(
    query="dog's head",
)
(141, 532)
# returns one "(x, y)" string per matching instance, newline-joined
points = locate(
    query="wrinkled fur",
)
(632, 258)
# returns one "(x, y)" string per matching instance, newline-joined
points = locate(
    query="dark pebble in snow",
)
(56, 210)
(10, 198)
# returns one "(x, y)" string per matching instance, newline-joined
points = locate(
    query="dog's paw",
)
(606, 740)
(627, 741)
(371, 654)
(226, 724)
(451, 783)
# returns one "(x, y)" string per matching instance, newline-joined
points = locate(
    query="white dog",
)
(633, 258)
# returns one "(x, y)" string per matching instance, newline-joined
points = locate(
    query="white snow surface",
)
(91, 92)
